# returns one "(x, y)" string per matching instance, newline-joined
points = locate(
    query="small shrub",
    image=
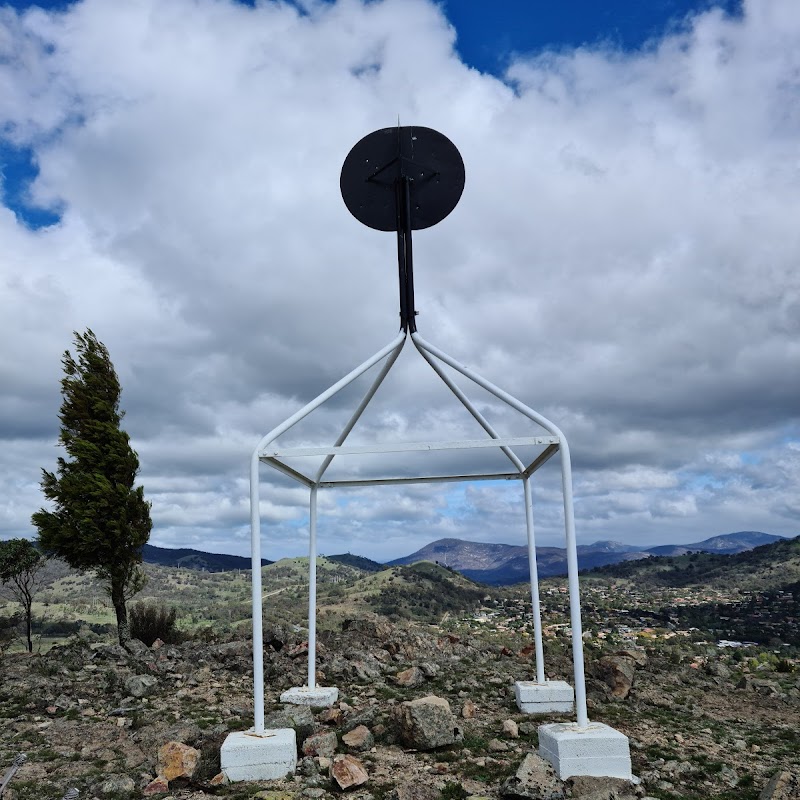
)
(150, 621)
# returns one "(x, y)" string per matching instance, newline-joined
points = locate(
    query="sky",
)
(624, 257)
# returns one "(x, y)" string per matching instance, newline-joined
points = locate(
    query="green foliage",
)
(453, 791)
(20, 563)
(100, 520)
(150, 621)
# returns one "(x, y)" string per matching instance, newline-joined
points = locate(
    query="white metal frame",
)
(553, 442)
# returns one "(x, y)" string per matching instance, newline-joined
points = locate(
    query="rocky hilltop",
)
(149, 721)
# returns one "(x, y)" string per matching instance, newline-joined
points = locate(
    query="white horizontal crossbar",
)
(405, 447)
(345, 483)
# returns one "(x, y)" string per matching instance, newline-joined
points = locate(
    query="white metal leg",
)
(532, 567)
(312, 590)
(569, 517)
(255, 520)
(574, 588)
(258, 611)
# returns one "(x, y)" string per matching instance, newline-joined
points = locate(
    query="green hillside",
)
(764, 568)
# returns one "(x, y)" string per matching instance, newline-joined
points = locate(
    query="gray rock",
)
(497, 746)
(320, 744)
(782, 786)
(591, 788)
(140, 685)
(414, 790)
(137, 647)
(534, 780)
(427, 723)
(117, 784)
(298, 717)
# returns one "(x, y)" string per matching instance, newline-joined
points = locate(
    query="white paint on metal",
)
(534, 580)
(569, 514)
(255, 519)
(312, 590)
(409, 447)
(555, 441)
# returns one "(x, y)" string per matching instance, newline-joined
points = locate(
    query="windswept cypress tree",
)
(100, 522)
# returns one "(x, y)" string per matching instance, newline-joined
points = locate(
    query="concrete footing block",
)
(597, 750)
(318, 697)
(544, 698)
(248, 756)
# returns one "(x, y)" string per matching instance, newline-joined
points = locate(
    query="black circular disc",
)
(426, 157)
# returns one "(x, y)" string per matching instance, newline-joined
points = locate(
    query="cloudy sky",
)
(624, 258)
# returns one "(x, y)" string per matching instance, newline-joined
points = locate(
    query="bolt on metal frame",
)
(272, 455)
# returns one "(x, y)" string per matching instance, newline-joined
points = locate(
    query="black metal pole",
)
(410, 310)
(400, 192)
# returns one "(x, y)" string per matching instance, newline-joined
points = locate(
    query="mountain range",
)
(493, 564)
(504, 564)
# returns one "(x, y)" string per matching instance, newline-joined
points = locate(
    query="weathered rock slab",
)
(348, 772)
(534, 780)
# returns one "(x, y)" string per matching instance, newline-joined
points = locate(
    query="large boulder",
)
(427, 723)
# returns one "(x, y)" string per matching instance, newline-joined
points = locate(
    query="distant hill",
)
(505, 564)
(359, 562)
(763, 568)
(727, 543)
(195, 559)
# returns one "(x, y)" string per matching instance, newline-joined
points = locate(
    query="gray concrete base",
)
(319, 696)
(247, 756)
(544, 698)
(596, 750)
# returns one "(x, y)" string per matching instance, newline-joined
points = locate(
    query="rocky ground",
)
(150, 721)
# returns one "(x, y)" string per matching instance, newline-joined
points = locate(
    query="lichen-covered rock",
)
(320, 744)
(117, 784)
(427, 723)
(300, 718)
(177, 760)
(141, 685)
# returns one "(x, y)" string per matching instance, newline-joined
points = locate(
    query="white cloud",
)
(623, 259)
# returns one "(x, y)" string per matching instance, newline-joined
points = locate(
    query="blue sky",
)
(623, 258)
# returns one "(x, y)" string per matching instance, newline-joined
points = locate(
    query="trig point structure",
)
(404, 179)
